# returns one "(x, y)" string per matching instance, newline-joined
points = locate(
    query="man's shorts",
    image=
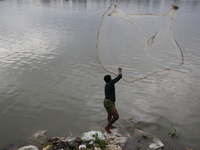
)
(108, 104)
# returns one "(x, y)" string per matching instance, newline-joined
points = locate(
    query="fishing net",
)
(141, 44)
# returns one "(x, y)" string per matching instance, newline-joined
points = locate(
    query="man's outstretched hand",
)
(119, 69)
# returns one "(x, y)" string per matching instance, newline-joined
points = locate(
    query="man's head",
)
(107, 78)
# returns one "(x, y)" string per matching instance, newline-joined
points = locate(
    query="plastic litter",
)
(140, 132)
(91, 142)
(70, 134)
(47, 147)
(72, 143)
(30, 147)
(82, 147)
(88, 136)
(37, 135)
(157, 143)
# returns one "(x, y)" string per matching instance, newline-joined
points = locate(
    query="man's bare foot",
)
(112, 127)
(107, 130)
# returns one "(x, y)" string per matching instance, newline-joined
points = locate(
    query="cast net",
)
(141, 44)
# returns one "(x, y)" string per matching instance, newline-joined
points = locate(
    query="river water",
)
(51, 80)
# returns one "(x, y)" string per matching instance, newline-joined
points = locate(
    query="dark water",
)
(50, 77)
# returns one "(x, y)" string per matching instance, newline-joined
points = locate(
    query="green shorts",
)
(108, 104)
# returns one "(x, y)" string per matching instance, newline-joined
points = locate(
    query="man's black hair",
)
(107, 78)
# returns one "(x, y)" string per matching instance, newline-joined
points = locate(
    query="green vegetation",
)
(97, 143)
(139, 147)
(140, 140)
(174, 134)
(45, 142)
(145, 137)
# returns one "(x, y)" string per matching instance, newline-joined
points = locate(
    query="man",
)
(109, 101)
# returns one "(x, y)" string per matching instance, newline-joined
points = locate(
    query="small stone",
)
(113, 147)
(121, 141)
(78, 140)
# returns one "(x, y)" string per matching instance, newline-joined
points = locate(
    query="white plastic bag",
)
(88, 136)
(30, 147)
(157, 143)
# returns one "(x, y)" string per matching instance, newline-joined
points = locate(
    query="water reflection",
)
(50, 77)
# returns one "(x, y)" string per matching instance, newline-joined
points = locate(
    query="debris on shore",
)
(96, 139)
(91, 140)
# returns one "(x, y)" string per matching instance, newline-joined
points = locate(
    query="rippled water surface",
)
(50, 77)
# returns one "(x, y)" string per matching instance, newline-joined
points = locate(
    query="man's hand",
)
(119, 69)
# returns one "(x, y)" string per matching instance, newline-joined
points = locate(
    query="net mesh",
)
(142, 44)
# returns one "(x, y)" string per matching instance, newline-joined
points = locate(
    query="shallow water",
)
(50, 77)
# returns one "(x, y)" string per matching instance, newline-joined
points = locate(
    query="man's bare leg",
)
(112, 117)
(109, 118)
